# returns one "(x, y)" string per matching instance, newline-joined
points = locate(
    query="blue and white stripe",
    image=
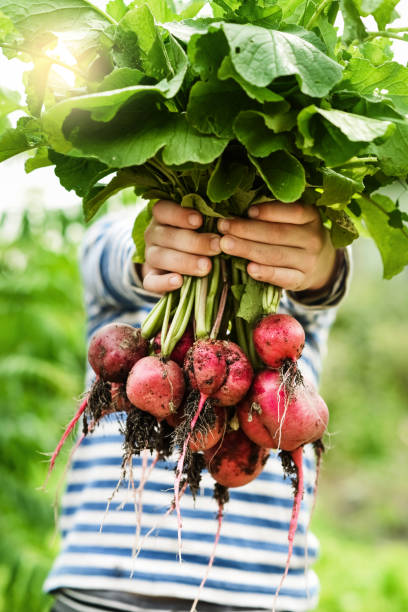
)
(98, 543)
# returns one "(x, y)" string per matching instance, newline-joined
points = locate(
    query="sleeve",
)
(317, 313)
(109, 276)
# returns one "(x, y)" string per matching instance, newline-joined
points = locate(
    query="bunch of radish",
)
(202, 381)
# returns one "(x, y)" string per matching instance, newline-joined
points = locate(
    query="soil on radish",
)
(141, 432)
(99, 400)
(289, 469)
(205, 421)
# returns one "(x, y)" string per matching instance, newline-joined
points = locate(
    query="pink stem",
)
(211, 561)
(316, 482)
(65, 435)
(297, 456)
(180, 465)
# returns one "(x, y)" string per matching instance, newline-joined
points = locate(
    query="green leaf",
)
(186, 144)
(12, 142)
(39, 160)
(386, 82)
(6, 27)
(121, 78)
(33, 16)
(261, 94)
(206, 52)
(250, 307)
(213, 106)
(116, 9)
(337, 188)
(393, 153)
(336, 136)
(250, 129)
(225, 179)
(391, 242)
(27, 135)
(91, 205)
(283, 174)
(36, 83)
(260, 56)
(353, 26)
(77, 174)
(9, 101)
(342, 230)
(193, 200)
(141, 222)
(102, 106)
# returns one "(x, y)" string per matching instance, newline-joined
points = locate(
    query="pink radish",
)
(180, 350)
(156, 386)
(236, 461)
(114, 349)
(277, 338)
(273, 417)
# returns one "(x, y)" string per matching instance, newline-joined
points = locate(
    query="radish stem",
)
(65, 435)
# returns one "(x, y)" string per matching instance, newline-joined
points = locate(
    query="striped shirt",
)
(99, 531)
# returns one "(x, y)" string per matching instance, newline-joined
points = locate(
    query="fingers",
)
(172, 260)
(166, 212)
(156, 281)
(285, 234)
(279, 212)
(288, 278)
(186, 240)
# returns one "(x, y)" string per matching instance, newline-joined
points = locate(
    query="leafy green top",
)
(262, 100)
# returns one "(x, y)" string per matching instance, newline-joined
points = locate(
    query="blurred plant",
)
(41, 374)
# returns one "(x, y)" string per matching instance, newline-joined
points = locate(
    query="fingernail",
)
(203, 264)
(194, 220)
(227, 243)
(223, 225)
(254, 270)
(215, 244)
(175, 281)
(253, 211)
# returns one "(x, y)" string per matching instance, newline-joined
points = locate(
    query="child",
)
(287, 245)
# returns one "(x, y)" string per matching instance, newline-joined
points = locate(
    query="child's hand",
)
(174, 248)
(286, 245)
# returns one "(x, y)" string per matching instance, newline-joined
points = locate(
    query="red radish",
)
(278, 337)
(238, 379)
(114, 349)
(273, 417)
(219, 369)
(236, 461)
(180, 350)
(156, 386)
(205, 365)
(202, 440)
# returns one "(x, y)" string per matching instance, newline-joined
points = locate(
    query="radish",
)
(236, 461)
(274, 417)
(183, 345)
(155, 386)
(278, 338)
(210, 426)
(114, 349)
(219, 369)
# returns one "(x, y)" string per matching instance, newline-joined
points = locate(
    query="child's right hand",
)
(174, 248)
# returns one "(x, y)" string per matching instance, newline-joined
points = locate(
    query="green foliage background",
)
(361, 511)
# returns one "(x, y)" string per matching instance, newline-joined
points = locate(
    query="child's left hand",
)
(290, 237)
